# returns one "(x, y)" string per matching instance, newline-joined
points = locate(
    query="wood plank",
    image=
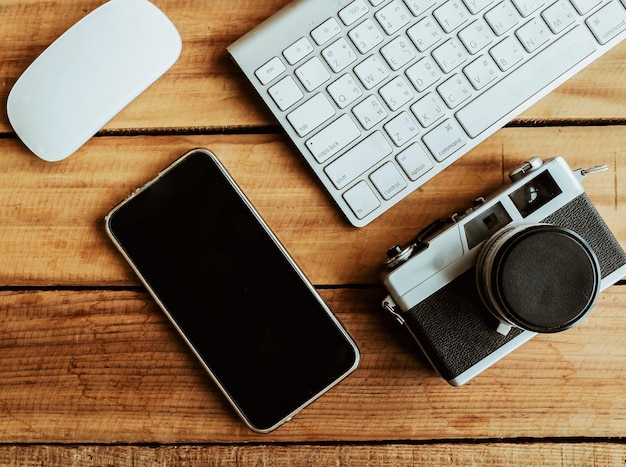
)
(106, 367)
(205, 89)
(530, 455)
(52, 214)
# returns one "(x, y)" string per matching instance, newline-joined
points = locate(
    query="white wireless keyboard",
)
(379, 96)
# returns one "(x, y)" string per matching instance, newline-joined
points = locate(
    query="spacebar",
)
(530, 78)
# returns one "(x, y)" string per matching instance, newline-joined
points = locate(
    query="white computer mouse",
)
(90, 73)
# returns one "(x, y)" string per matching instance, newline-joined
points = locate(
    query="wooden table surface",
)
(91, 373)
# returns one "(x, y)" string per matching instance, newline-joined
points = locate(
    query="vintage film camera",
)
(532, 258)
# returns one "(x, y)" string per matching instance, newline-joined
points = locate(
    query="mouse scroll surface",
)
(90, 73)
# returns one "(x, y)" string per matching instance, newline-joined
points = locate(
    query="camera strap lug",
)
(390, 306)
(582, 173)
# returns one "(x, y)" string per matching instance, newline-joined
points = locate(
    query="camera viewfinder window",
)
(485, 225)
(535, 194)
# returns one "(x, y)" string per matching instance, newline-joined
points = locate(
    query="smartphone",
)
(229, 287)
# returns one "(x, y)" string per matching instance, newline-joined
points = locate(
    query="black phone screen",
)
(222, 278)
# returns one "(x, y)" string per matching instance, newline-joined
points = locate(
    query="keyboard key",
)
(270, 70)
(311, 114)
(357, 160)
(371, 71)
(423, 74)
(425, 33)
(501, 18)
(396, 93)
(326, 31)
(451, 15)
(366, 36)
(312, 74)
(507, 53)
(398, 52)
(476, 36)
(530, 78)
(344, 91)
(449, 55)
(474, 6)
(297, 51)
(607, 22)
(418, 7)
(285, 93)
(455, 91)
(559, 16)
(393, 17)
(388, 180)
(526, 7)
(481, 72)
(414, 161)
(445, 140)
(369, 112)
(428, 109)
(401, 129)
(585, 6)
(333, 139)
(339, 55)
(353, 12)
(533, 34)
(361, 200)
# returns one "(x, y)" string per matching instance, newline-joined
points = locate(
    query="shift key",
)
(513, 93)
(357, 160)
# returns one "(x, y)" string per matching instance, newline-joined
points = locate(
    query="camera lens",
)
(538, 277)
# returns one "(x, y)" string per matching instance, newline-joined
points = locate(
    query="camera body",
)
(530, 258)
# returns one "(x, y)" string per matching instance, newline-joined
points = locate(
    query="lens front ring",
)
(538, 277)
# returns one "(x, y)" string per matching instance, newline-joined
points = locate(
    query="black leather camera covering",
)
(581, 216)
(455, 329)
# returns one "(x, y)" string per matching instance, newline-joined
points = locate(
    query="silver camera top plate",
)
(454, 249)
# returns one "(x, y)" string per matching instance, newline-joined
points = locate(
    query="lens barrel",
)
(538, 277)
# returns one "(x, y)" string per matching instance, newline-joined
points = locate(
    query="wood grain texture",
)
(487, 454)
(106, 366)
(53, 232)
